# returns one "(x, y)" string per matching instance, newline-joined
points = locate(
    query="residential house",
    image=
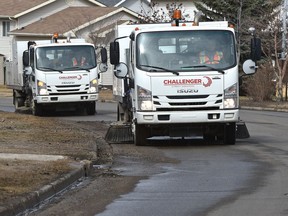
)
(143, 5)
(39, 19)
(134, 5)
(89, 19)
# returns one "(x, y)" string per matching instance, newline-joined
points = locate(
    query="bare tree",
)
(157, 14)
(272, 48)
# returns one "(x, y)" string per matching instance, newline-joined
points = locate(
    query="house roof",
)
(110, 3)
(117, 3)
(13, 7)
(16, 8)
(68, 19)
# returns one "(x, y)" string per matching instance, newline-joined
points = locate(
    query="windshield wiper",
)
(48, 68)
(161, 68)
(205, 66)
(77, 67)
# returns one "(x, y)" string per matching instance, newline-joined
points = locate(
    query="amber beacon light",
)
(176, 17)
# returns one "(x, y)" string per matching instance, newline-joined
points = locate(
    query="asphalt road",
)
(249, 178)
(104, 111)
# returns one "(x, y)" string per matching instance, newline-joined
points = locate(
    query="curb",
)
(34, 198)
(264, 109)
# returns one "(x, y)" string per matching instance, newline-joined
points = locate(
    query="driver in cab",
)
(211, 54)
(79, 59)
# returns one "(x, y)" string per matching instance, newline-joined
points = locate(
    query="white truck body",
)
(57, 85)
(178, 97)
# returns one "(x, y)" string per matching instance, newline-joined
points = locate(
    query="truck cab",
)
(177, 81)
(57, 76)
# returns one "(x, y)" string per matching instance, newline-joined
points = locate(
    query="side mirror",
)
(255, 49)
(25, 59)
(121, 70)
(28, 71)
(31, 57)
(103, 67)
(249, 67)
(114, 53)
(103, 54)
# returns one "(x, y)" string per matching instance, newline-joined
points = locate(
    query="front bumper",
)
(214, 116)
(66, 98)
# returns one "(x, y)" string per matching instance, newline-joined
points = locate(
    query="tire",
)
(209, 138)
(36, 109)
(91, 108)
(229, 134)
(141, 134)
(119, 114)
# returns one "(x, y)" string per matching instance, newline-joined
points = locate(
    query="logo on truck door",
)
(205, 81)
(208, 81)
(78, 77)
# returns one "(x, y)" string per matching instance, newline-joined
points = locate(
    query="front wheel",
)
(91, 108)
(141, 134)
(229, 134)
(36, 109)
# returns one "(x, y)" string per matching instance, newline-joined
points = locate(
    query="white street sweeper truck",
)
(178, 80)
(56, 74)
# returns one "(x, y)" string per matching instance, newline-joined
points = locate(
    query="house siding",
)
(5, 53)
(5, 48)
(106, 79)
(2, 82)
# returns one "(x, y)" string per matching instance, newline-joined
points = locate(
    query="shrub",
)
(260, 86)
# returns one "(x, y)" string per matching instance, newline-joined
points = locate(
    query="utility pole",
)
(284, 33)
(284, 50)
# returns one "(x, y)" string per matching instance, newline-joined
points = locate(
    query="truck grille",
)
(67, 89)
(188, 102)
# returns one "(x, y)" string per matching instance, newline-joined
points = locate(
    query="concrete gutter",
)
(274, 109)
(34, 198)
(34, 157)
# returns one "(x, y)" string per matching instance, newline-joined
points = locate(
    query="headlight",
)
(231, 97)
(144, 99)
(93, 86)
(42, 88)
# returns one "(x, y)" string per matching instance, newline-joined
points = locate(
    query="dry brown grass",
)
(25, 176)
(249, 102)
(22, 133)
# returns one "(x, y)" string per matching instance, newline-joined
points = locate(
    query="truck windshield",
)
(64, 58)
(186, 50)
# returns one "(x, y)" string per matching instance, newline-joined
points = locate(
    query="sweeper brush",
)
(241, 130)
(122, 133)
(119, 133)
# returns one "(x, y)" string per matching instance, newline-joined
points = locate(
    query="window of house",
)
(6, 28)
